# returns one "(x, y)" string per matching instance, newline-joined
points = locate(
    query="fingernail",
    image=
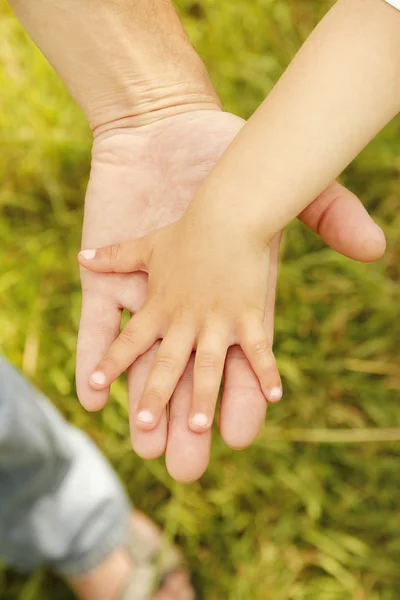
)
(87, 254)
(199, 419)
(145, 416)
(98, 378)
(275, 393)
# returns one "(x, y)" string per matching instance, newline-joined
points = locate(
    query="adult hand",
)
(141, 179)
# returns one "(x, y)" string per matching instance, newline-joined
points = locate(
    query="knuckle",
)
(166, 362)
(208, 361)
(182, 313)
(261, 348)
(109, 363)
(154, 396)
(128, 336)
(113, 253)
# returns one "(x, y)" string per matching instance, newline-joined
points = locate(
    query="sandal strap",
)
(142, 584)
(153, 563)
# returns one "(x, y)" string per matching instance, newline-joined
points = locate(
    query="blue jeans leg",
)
(61, 504)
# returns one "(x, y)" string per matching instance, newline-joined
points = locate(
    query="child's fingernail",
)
(87, 254)
(199, 420)
(145, 416)
(98, 378)
(275, 393)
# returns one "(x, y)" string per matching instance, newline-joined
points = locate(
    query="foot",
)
(108, 581)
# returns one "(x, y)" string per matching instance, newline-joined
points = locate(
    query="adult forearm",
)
(123, 60)
(338, 93)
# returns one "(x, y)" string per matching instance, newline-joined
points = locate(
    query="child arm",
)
(341, 89)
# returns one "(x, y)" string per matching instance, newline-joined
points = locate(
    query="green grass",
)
(295, 516)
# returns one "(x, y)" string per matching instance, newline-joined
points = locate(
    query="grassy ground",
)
(298, 515)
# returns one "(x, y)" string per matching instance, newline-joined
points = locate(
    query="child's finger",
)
(147, 444)
(208, 369)
(139, 335)
(171, 360)
(258, 350)
(124, 257)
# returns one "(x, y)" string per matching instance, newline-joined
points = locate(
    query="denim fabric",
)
(60, 502)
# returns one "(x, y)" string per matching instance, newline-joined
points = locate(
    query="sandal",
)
(154, 559)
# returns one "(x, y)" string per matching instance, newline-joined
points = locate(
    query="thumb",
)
(338, 216)
(124, 257)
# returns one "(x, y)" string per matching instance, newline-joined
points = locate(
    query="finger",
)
(139, 335)
(258, 350)
(243, 406)
(171, 360)
(188, 453)
(208, 368)
(124, 257)
(338, 216)
(99, 327)
(151, 444)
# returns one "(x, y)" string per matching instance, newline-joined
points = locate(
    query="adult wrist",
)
(125, 63)
(155, 73)
(154, 91)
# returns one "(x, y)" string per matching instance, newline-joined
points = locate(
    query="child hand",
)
(194, 302)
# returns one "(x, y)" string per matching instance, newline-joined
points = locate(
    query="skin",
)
(155, 152)
(340, 90)
(287, 152)
(158, 131)
(108, 580)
